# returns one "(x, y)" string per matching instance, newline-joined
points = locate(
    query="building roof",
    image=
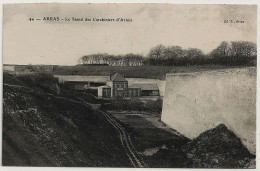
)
(105, 86)
(145, 86)
(118, 77)
(133, 86)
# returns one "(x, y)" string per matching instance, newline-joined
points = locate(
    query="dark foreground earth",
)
(218, 148)
(43, 125)
(164, 147)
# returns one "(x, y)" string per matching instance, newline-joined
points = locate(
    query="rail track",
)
(124, 137)
(125, 141)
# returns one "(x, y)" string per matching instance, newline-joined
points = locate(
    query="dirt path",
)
(124, 139)
(126, 142)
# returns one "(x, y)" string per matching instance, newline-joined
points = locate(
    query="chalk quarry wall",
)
(196, 102)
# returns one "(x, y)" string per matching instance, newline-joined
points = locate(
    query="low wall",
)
(196, 102)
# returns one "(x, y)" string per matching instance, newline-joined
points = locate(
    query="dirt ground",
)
(151, 136)
(153, 120)
(160, 146)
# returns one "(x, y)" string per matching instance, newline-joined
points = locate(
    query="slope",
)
(40, 129)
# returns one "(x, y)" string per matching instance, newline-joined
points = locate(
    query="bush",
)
(155, 106)
(41, 82)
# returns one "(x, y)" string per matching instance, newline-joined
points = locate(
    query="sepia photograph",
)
(147, 85)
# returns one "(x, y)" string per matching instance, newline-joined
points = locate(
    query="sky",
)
(63, 43)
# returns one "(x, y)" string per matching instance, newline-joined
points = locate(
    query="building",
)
(119, 86)
(147, 89)
(19, 69)
(120, 89)
(83, 87)
(27, 69)
(9, 68)
(134, 91)
(104, 91)
(108, 87)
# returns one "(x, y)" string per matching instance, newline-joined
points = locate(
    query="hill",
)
(42, 129)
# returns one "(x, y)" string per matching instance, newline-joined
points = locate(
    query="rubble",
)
(219, 148)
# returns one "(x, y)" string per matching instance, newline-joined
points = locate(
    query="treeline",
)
(232, 53)
(235, 53)
(112, 60)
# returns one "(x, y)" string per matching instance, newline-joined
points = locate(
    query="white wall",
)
(64, 78)
(196, 102)
(100, 92)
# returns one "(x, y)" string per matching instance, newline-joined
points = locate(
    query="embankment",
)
(41, 128)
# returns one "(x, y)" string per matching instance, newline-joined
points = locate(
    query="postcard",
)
(129, 85)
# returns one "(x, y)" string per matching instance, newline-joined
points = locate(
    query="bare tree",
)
(156, 53)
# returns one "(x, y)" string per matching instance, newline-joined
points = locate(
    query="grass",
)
(151, 72)
(134, 104)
